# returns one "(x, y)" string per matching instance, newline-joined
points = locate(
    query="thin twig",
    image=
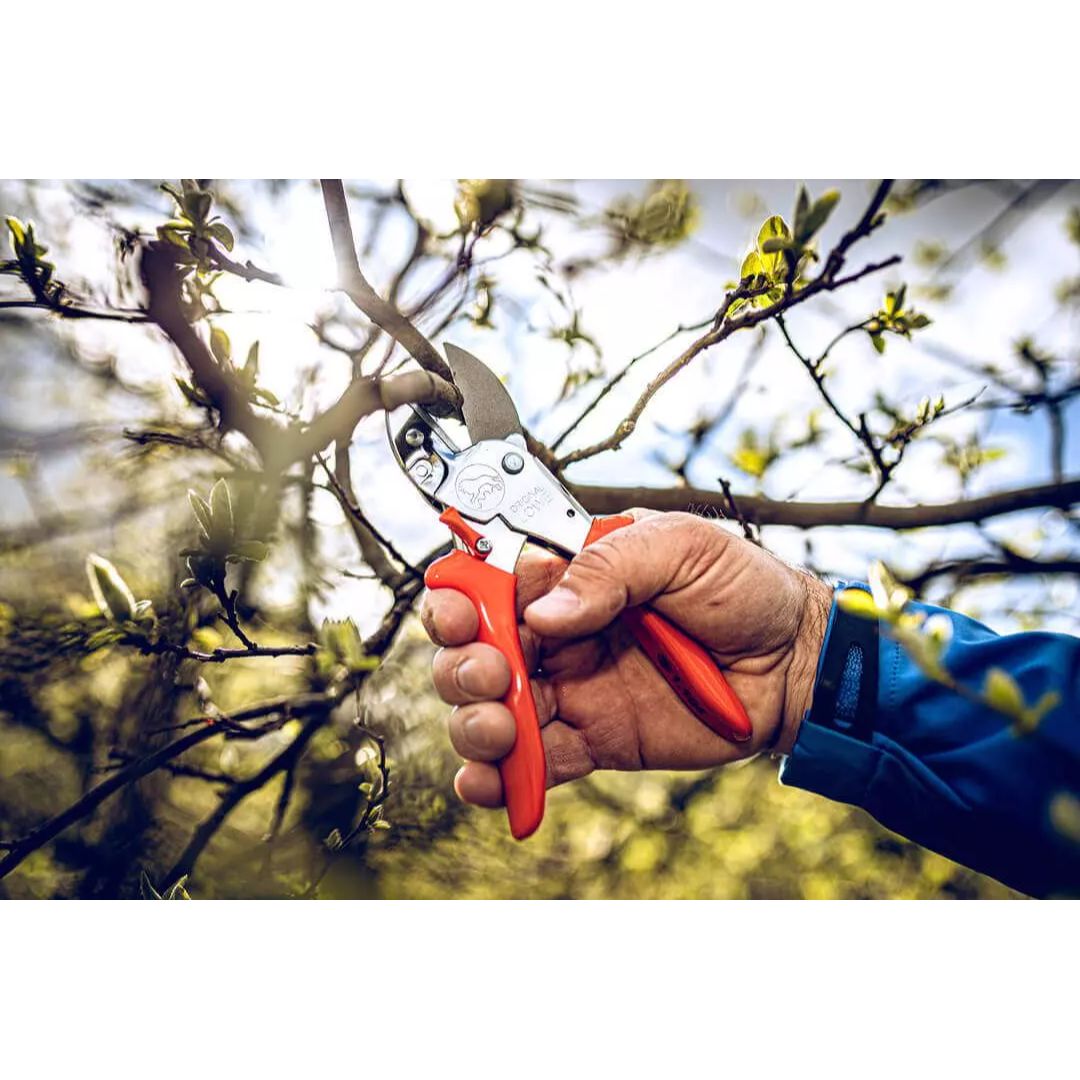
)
(620, 375)
(219, 656)
(723, 327)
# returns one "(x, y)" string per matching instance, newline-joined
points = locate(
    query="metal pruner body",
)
(494, 496)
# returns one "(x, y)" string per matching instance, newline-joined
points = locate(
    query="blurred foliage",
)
(733, 833)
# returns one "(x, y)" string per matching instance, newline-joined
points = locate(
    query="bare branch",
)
(368, 395)
(620, 375)
(374, 547)
(248, 270)
(807, 515)
(353, 283)
(67, 311)
(724, 330)
(1008, 566)
(219, 656)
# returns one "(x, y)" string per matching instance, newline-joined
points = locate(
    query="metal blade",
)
(488, 408)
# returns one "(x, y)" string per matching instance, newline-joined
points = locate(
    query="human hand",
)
(600, 702)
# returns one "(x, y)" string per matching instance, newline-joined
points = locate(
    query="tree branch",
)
(807, 515)
(219, 656)
(367, 395)
(375, 549)
(353, 283)
(162, 279)
(66, 311)
(1010, 566)
(277, 446)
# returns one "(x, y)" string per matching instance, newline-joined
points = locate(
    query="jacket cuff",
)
(826, 759)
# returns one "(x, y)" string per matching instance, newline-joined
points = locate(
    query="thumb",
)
(627, 567)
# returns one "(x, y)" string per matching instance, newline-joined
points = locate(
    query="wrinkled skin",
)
(600, 702)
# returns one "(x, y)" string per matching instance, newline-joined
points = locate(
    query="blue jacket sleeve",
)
(951, 774)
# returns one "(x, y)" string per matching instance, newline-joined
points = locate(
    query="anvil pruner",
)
(494, 496)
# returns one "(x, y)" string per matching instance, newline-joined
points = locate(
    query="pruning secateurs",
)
(494, 496)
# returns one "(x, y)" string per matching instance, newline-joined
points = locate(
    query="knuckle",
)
(470, 673)
(599, 566)
(442, 666)
(428, 620)
(598, 574)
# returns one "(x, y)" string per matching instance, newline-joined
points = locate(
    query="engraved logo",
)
(480, 487)
(531, 503)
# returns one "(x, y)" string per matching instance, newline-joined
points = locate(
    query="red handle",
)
(689, 670)
(493, 592)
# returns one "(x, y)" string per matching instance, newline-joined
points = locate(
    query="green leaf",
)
(251, 550)
(938, 631)
(176, 891)
(144, 612)
(202, 569)
(751, 266)
(889, 595)
(774, 226)
(878, 341)
(194, 396)
(802, 208)
(1032, 716)
(751, 456)
(341, 639)
(18, 234)
(146, 887)
(818, 214)
(197, 203)
(222, 234)
(1065, 815)
(202, 512)
(176, 196)
(220, 345)
(101, 639)
(222, 527)
(858, 602)
(772, 262)
(114, 598)
(171, 235)
(251, 364)
(1002, 693)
